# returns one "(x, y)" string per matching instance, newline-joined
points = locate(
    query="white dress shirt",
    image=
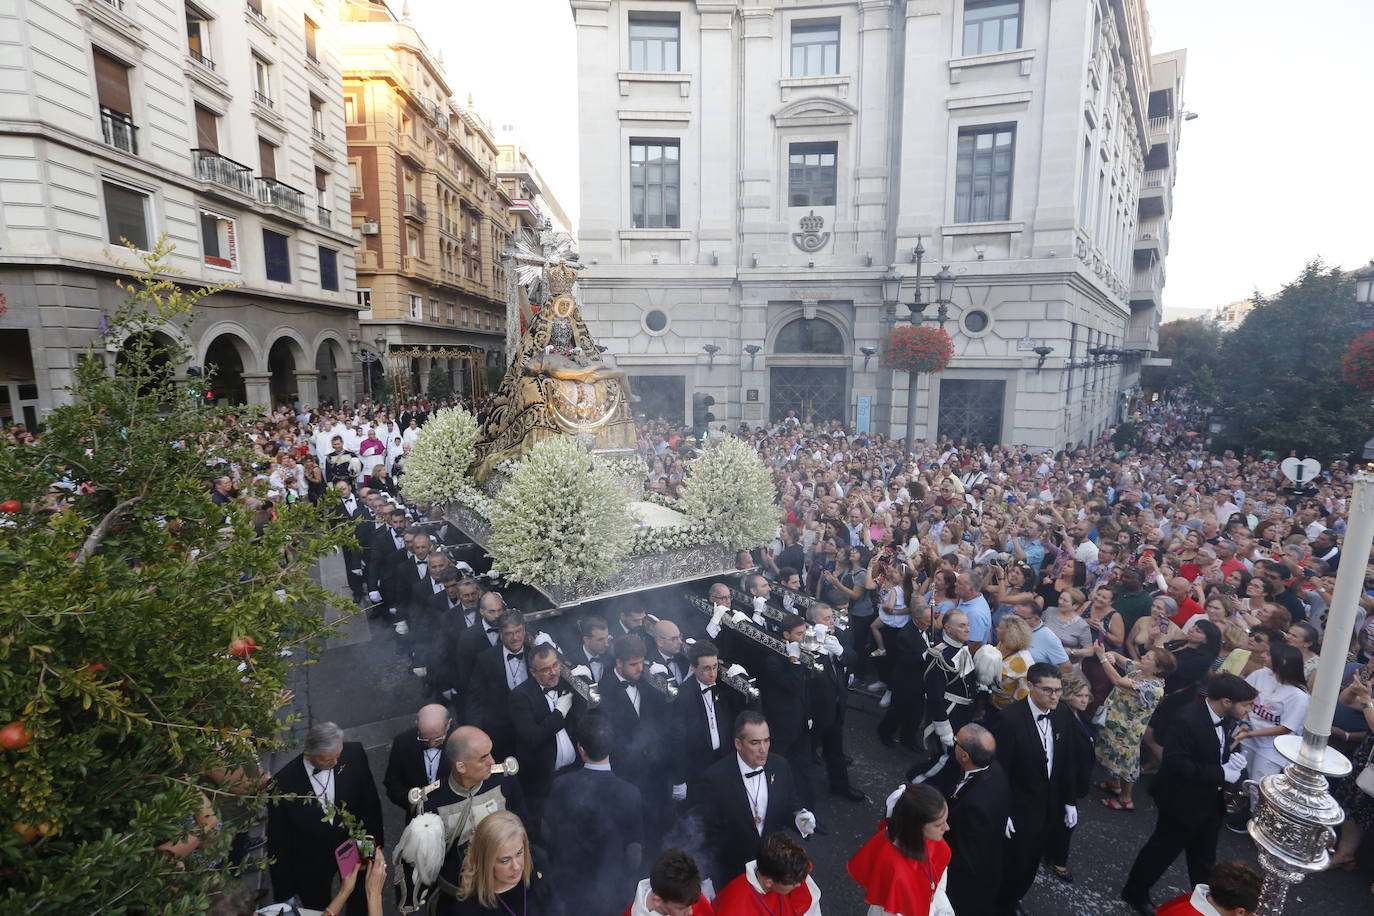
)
(756, 790)
(321, 783)
(963, 781)
(516, 673)
(1218, 723)
(631, 691)
(708, 699)
(432, 755)
(566, 755)
(1046, 729)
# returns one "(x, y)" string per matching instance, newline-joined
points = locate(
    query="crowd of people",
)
(1037, 627)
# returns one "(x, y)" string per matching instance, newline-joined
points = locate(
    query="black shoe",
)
(1063, 875)
(849, 792)
(1141, 905)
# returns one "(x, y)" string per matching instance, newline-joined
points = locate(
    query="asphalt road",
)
(360, 683)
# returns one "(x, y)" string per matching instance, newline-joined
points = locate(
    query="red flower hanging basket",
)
(1357, 365)
(913, 348)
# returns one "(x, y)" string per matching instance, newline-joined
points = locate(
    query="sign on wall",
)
(863, 414)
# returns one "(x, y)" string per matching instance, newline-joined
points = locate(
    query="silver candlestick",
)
(1295, 824)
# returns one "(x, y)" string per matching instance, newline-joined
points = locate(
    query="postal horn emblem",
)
(811, 238)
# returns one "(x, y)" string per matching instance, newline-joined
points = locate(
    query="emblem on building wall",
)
(811, 238)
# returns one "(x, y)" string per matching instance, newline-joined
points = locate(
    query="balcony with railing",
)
(201, 59)
(1160, 125)
(1154, 192)
(282, 196)
(324, 216)
(317, 134)
(254, 9)
(211, 166)
(414, 207)
(262, 99)
(1146, 286)
(118, 130)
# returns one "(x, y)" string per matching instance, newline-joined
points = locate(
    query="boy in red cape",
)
(1232, 889)
(894, 879)
(673, 888)
(777, 883)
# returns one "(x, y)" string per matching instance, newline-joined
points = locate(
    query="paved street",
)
(360, 683)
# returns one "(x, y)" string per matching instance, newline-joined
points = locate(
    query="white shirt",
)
(566, 755)
(963, 781)
(631, 691)
(516, 673)
(1046, 729)
(708, 699)
(432, 755)
(321, 783)
(1219, 723)
(596, 667)
(756, 790)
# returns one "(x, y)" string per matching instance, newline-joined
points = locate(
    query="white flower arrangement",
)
(661, 499)
(559, 518)
(662, 540)
(437, 467)
(730, 492)
(630, 467)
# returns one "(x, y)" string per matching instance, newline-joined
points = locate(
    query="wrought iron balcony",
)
(263, 100)
(255, 10)
(119, 130)
(324, 216)
(201, 59)
(317, 134)
(415, 207)
(282, 196)
(211, 166)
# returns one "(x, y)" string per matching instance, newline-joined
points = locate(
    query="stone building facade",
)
(757, 178)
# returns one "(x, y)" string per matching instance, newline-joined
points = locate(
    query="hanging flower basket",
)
(1357, 364)
(912, 348)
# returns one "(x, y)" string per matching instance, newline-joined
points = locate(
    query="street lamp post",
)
(944, 295)
(1364, 299)
(367, 357)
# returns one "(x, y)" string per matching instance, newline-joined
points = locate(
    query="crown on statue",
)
(812, 223)
(561, 279)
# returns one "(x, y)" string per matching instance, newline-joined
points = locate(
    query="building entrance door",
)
(972, 409)
(817, 395)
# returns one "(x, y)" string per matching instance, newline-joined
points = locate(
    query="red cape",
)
(740, 899)
(1182, 905)
(891, 880)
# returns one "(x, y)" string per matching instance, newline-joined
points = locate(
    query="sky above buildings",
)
(1273, 172)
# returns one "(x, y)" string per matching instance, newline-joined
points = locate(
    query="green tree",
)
(439, 385)
(1191, 344)
(144, 628)
(1279, 378)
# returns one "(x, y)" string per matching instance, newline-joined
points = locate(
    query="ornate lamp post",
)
(367, 358)
(1364, 298)
(944, 294)
(1297, 816)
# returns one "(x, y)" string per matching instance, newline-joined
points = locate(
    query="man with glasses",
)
(701, 717)
(666, 649)
(545, 713)
(417, 755)
(1034, 748)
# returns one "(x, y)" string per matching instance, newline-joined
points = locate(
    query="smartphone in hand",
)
(347, 858)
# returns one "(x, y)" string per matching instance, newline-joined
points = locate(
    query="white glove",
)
(544, 639)
(892, 798)
(806, 823)
(374, 596)
(736, 671)
(564, 703)
(419, 672)
(402, 628)
(1070, 816)
(1011, 828)
(659, 668)
(718, 614)
(448, 694)
(738, 617)
(581, 671)
(680, 792)
(821, 631)
(1234, 765)
(355, 572)
(794, 650)
(946, 733)
(759, 604)
(808, 724)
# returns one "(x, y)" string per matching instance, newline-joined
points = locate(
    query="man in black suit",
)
(829, 699)
(544, 712)
(497, 671)
(1035, 750)
(664, 647)
(639, 715)
(593, 647)
(594, 821)
(631, 621)
(327, 773)
(736, 647)
(456, 669)
(786, 704)
(745, 797)
(417, 755)
(979, 807)
(388, 546)
(701, 718)
(353, 512)
(1198, 763)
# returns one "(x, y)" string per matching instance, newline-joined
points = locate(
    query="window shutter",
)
(267, 159)
(112, 83)
(207, 129)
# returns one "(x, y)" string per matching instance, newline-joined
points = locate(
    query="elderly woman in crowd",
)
(499, 874)
(1135, 694)
(1066, 621)
(1154, 629)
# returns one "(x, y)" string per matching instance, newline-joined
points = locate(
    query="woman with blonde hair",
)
(1013, 641)
(1135, 694)
(498, 874)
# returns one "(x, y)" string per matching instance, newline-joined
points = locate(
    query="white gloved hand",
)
(738, 617)
(794, 650)
(1070, 816)
(564, 703)
(892, 799)
(402, 628)
(1234, 766)
(808, 724)
(544, 639)
(759, 604)
(448, 694)
(806, 823)
(680, 792)
(736, 671)
(659, 668)
(821, 631)
(374, 596)
(946, 733)
(419, 672)
(355, 572)
(718, 614)
(1011, 828)
(581, 671)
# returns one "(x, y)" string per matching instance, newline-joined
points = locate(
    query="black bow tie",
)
(552, 691)
(512, 656)
(751, 774)
(492, 629)
(1042, 717)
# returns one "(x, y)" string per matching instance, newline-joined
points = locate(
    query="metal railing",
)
(263, 100)
(1160, 124)
(1154, 178)
(317, 134)
(211, 166)
(283, 196)
(324, 216)
(415, 207)
(118, 130)
(255, 10)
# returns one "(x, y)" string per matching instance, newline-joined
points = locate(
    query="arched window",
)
(809, 335)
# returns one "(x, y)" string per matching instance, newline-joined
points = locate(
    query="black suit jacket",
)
(690, 730)
(678, 665)
(828, 687)
(1035, 794)
(300, 843)
(384, 555)
(721, 802)
(785, 700)
(488, 700)
(641, 748)
(594, 821)
(471, 643)
(578, 656)
(977, 830)
(1190, 779)
(405, 768)
(536, 733)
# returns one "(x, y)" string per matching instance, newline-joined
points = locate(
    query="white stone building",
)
(756, 177)
(218, 123)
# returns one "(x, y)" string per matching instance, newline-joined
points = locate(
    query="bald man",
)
(417, 754)
(666, 649)
(979, 806)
